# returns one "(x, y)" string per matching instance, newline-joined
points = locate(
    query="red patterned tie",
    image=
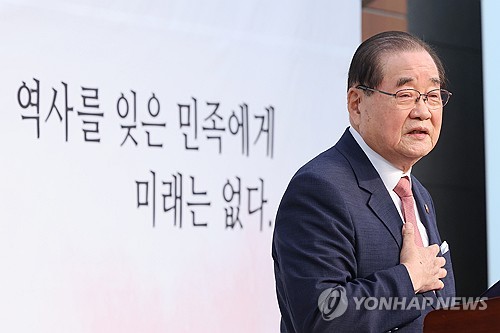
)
(403, 190)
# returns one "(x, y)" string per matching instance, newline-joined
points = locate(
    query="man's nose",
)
(421, 109)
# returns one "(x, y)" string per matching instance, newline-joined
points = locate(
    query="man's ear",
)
(354, 97)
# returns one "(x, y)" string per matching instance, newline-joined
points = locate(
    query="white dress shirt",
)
(390, 176)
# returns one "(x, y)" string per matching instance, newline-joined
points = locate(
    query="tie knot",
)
(403, 189)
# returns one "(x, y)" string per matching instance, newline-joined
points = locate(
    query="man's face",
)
(401, 136)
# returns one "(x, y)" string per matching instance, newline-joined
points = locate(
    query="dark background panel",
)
(454, 172)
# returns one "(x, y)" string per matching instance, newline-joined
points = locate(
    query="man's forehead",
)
(391, 60)
(403, 67)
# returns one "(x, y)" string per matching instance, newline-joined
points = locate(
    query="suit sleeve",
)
(314, 249)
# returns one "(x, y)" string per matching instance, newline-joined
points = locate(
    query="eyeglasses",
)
(408, 98)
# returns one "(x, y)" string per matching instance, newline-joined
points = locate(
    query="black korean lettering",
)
(259, 207)
(197, 203)
(30, 97)
(188, 119)
(90, 114)
(143, 195)
(123, 108)
(174, 194)
(214, 127)
(237, 125)
(67, 109)
(153, 112)
(267, 129)
(54, 106)
(232, 192)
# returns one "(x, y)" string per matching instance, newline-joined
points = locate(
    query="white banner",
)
(145, 148)
(491, 70)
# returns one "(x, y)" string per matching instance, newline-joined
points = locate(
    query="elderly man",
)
(356, 246)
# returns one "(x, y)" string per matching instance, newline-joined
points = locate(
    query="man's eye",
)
(434, 95)
(404, 95)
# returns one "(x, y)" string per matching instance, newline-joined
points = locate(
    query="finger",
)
(408, 233)
(440, 285)
(434, 249)
(440, 261)
(442, 273)
(408, 237)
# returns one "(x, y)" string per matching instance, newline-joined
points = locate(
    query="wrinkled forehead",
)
(404, 67)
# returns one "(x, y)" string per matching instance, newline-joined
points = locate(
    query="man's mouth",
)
(419, 131)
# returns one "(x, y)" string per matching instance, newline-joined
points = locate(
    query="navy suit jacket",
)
(338, 226)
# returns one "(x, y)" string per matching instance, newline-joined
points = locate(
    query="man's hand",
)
(424, 267)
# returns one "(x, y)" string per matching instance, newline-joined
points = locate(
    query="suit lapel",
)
(382, 205)
(426, 215)
(380, 201)
(428, 220)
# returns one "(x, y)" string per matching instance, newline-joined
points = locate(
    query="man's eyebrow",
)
(436, 80)
(404, 80)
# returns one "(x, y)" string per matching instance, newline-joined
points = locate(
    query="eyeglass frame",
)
(426, 96)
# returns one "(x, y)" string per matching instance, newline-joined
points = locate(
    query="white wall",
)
(78, 253)
(491, 73)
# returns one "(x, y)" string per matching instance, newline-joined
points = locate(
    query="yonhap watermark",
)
(333, 302)
(420, 303)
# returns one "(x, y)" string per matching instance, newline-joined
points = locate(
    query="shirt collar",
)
(389, 174)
